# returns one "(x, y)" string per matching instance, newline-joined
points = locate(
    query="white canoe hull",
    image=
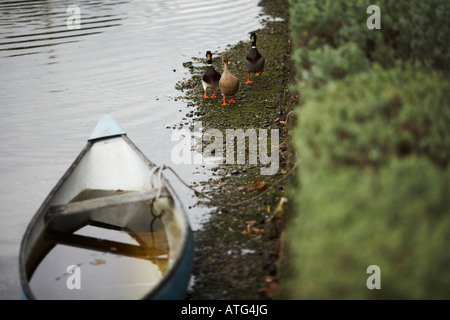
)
(109, 162)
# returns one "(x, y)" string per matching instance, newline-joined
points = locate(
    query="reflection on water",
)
(114, 262)
(30, 27)
(102, 276)
(55, 83)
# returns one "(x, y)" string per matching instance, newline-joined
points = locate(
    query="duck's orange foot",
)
(248, 79)
(224, 102)
(232, 100)
(259, 74)
(205, 96)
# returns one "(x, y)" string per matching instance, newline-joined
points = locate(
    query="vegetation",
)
(373, 148)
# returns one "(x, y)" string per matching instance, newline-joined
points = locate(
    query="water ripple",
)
(31, 25)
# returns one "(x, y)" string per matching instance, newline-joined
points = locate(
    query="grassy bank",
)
(373, 151)
(237, 250)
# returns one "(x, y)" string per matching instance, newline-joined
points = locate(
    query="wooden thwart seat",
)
(83, 206)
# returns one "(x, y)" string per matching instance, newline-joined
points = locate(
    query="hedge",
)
(373, 151)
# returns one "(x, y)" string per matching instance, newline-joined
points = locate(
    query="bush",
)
(326, 63)
(413, 31)
(368, 118)
(397, 219)
(373, 165)
(373, 145)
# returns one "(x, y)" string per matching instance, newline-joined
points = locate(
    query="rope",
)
(158, 169)
(239, 203)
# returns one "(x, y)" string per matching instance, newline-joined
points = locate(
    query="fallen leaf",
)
(257, 230)
(260, 185)
(271, 290)
(97, 262)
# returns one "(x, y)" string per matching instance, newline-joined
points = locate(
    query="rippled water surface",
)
(56, 82)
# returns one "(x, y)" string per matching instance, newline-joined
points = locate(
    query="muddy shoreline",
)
(238, 251)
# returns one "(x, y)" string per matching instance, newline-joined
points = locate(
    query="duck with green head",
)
(211, 77)
(254, 62)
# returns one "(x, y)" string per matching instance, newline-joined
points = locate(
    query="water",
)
(125, 264)
(55, 83)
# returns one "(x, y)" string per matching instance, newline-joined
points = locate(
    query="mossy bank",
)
(237, 249)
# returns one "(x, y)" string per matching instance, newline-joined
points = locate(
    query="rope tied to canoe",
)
(160, 168)
(157, 171)
(158, 184)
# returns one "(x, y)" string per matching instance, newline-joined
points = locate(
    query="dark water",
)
(56, 82)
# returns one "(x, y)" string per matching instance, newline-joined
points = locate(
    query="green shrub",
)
(413, 31)
(368, 118)
(373, 152)
(373, 145)
(373, 168)
(326, 63)
(397, 219)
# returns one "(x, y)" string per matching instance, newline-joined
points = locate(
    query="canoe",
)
(111, 228)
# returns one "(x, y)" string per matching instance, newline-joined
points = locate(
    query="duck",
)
(254, 62)
(210, 78)
(229, 83)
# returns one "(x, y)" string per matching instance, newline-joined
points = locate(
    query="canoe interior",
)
(103, 217)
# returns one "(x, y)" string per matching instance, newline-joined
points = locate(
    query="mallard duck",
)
(228, 83)
(254, 62)
(211, 77)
